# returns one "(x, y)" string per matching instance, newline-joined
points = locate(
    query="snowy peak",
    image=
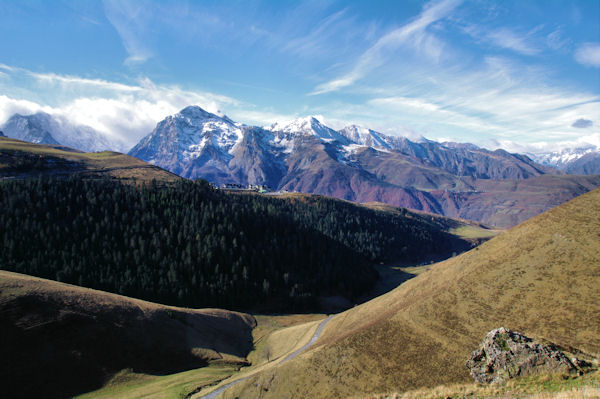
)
(561, 158)
(309, 126)
(193, 135)
(33, 128)
(42, 128)
(366, 137)
(196, 112)
(578, 160)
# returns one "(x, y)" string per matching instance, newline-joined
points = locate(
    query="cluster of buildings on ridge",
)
(259, 188)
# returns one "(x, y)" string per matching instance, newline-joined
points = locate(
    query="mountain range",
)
(354, 163)
(359, 164)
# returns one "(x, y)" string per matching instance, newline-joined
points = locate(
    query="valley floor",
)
(276, 338)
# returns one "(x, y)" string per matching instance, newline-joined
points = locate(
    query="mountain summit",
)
(191, 143)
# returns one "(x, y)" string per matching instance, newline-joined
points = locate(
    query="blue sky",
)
(522, 75)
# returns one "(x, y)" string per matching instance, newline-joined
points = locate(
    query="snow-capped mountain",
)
(42, 128)
(190, 142)
(584, 160)
(195, 143)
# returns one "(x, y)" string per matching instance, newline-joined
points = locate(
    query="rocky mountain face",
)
(588, 164)
(583, 160)
(355, 164)
(42, 128)
(506, 354)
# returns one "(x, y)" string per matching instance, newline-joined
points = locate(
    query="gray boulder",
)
(505, 354)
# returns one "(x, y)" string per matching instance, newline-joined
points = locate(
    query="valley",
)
(300, 199)
(394, 301)
(408, 302)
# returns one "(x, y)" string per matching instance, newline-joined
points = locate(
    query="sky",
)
(519, 75)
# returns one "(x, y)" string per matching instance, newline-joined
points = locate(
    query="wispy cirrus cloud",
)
(130, 19)
(501, 99)
(414, 33)
(522, 42)
(317, 40)
(508, 39)
(588, 54)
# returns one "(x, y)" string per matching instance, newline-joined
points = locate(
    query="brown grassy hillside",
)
(20, 158)
(59, 339)
(540, 278)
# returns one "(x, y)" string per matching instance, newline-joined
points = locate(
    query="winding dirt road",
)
(314, 338)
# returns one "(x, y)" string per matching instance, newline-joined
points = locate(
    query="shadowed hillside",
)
(59, 339)
(20, 159)
(540, 278)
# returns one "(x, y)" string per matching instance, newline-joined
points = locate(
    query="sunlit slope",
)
(23, 159)
(59, 340)
(540, 278)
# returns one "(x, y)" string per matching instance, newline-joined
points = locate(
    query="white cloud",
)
(67, 80)
(413, 32)
(10, 106)
(125, 112)
(588, 54)
(544, 147)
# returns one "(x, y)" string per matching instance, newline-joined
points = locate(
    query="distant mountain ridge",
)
(358, 164)
(43, 128)
(584, 160)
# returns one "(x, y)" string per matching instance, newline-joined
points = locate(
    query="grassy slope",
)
(540, 278)
(533, 387)
(106, 163)
(61, 340)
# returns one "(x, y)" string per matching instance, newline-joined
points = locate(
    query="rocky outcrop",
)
(505, 354)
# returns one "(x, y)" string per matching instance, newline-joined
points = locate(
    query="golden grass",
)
(275, 336)
(471, 231)
(540, 278)
(273, 347)
(129, 385)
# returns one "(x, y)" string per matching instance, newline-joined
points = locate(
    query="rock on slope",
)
(540, 278)
(59, 340)
(505, 354)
